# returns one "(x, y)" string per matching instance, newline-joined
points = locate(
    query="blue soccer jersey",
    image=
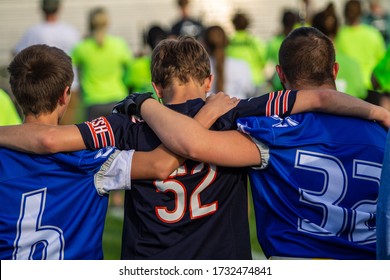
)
(316, 197)
(201, 210)
(53, 207)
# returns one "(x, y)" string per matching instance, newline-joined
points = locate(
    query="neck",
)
(177, 94)
(48, 119)
(52, 18)
(312, 87)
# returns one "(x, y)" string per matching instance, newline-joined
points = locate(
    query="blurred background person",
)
(231, 75)
(289, 20)
(186, 24)
(378, 17)
(138, 75)
(243, 45)
(349, 78)
(51, 31)
(362, 42)
(381, 79)
(101, 60)
(9, 114)
(54, 32)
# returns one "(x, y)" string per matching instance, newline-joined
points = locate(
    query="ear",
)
(208, 82)
(281, 74)
(336, 68)
(65, 98)
(158, 89)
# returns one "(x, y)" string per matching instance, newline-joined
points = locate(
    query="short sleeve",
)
(115, 173)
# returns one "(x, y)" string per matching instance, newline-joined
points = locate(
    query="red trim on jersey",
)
(94, 136)
(277, 103)
(285, 101)
(110, 133)
(268, 106)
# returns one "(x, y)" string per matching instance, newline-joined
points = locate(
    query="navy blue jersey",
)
(50, 207)
(317, 196)
(200, 212)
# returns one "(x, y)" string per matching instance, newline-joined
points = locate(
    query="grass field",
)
(113, 233)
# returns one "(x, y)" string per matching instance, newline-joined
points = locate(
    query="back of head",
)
(352, 12)
(240, 21)
(289, 19)
(38, 77)
(215, 38)
(183, 59)
(50, 6)
(326, 21)
(155, 35)
(98, 23)
(183, 3)
(307, 57)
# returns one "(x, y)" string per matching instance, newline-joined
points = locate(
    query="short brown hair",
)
(307, 56)
(183, 59)
(38, 77)
(352, 11)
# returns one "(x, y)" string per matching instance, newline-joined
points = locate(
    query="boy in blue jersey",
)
(54, 206)
(190, 215)
(51, 207)
(316, 197)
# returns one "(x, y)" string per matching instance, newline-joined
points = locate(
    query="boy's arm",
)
(161, 162)
(188, 138)
(41, 139)
(156, 164)
(338, 103)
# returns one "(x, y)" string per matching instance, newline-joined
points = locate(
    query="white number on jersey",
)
(196, 208)
(33, 238)
(335, 219)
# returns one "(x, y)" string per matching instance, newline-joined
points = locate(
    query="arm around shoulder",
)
(41, 139)
(334, 102)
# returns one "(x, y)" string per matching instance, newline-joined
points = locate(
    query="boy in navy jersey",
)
(191, 214)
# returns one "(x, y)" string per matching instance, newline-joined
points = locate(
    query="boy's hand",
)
(220, 103)
(216, 106)
(131, 104)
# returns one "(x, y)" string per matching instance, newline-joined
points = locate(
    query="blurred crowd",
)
(243, 63)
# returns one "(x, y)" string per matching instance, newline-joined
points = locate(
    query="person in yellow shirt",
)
(9, 115)
(244, 45)
(362, 42)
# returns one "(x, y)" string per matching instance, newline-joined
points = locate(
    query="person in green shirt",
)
(381, 73)
(381, 80)
(243, 45)
(8, 115)
(350, 76)
(289, 21)
(101, 60)
(360, 41)
(138, 76)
